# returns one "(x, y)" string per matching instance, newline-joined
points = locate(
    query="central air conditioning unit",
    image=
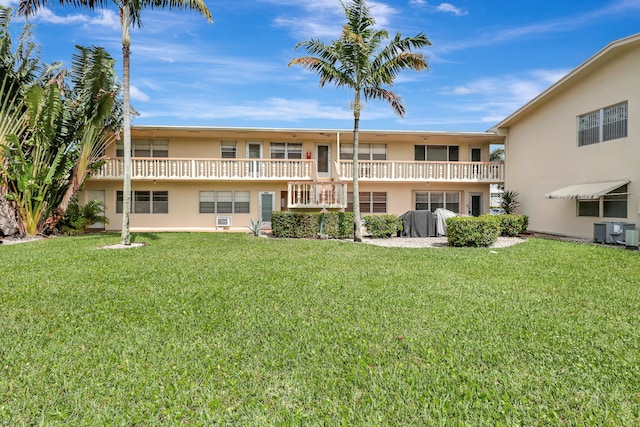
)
(611, 232)
(223, 221)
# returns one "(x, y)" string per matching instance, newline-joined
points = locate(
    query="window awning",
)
(590, 191)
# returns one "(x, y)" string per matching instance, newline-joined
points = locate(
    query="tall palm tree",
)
(130, 14)
(359, 61)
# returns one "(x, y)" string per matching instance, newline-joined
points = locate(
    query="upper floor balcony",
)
(210, 169)
(407, 171)
(301, 170)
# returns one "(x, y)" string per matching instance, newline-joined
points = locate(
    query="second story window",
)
(603, 125)
(228, 149)
(365, 152)
(436, 153)
(286, 150)
(145, 148)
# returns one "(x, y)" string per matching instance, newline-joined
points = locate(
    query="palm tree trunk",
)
(125, 237)
(357, 235)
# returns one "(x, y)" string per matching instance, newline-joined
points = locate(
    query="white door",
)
(254, 152)
(96, 194)
(266, 205)
(323, 159)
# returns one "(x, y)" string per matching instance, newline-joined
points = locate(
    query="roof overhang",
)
(591, 191)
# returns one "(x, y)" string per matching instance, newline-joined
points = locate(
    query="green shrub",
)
(512, 225)
(307, 224)
(382, 226)
(338, 225)
(473, 231)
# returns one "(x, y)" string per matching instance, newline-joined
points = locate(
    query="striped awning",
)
(590, 191)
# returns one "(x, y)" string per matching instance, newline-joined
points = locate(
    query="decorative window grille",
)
(603, 125)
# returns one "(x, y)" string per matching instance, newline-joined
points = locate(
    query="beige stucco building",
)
(573, 152)
(205, 178)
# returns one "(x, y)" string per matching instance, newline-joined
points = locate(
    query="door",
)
(476, 154)
(323, 158)
(266, 205)
(475, 204)
(96, 194)
(254, 152)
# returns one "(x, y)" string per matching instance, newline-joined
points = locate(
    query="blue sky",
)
(488, 58)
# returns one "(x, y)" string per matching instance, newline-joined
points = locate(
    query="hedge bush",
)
(382, 226)
(472, 231)
(512, 225)
(307, 224)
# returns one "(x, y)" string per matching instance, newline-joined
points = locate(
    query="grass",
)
(201, 329)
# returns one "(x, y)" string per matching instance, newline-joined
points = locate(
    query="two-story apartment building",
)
(206, 178)
(573, 152)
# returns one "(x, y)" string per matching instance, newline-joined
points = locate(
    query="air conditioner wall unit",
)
(223, 221)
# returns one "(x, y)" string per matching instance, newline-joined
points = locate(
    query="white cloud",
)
(8, 3)
(271, 109)
(449, 8)
(324, 19)
(492, 99)
(138, 95)
(102, 18)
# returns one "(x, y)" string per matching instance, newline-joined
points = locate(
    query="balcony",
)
(210, 169)
(317, 195)
(399, 171)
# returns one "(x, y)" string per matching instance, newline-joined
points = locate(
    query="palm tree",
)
(358, 60)
(130, 11)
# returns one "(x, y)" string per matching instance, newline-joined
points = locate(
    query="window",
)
(286, 150)
(603, 125)
(370, 202)
(589, 208)
(432, 200)
(436, 153)
(228, 149)
(614, 205)
(365, 151)
(154, 202)
(224, 202)
(145, 148)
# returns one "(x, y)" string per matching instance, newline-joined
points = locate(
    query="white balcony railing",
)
(424, 171)
(210, 169)
(317, 195)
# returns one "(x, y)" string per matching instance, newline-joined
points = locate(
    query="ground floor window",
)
(224, 202)
(370, 202)
(432, 200)
(611, 205)
(145, 202)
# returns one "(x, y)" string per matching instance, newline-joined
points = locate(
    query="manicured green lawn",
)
(198, 329)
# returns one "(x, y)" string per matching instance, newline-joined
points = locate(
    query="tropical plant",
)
(35, 167)
(497, 155)
(55, 125)
(359, 61)
(130, 15)
(510, 201)
(255, 226)
(78, 218)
